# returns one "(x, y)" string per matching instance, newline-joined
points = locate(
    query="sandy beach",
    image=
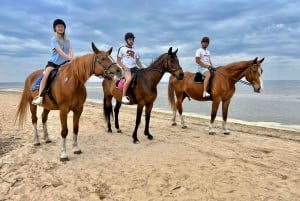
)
(252, 163)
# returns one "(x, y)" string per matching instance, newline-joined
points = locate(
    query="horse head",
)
(253, 74)
(104, 64)
(172, 64)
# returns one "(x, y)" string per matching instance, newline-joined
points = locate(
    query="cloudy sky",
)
(239, 30)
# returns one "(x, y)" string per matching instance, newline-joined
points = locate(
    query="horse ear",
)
(170, 51)
(95, 49)
(255, 60)
(175, 52)
(260, 61)
(110, 50)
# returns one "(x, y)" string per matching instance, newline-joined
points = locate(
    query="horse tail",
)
(107, 110)
(171, 95)
(22, 109)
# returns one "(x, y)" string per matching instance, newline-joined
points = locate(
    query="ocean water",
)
(277, 106)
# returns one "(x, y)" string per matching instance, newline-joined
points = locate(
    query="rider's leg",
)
(39, 100)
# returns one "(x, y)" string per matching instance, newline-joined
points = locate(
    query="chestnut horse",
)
(69, 92)
(222, 89)
(143, 93)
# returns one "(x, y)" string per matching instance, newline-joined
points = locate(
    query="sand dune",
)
(253, 163)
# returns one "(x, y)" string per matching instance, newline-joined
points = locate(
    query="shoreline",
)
(273, 125)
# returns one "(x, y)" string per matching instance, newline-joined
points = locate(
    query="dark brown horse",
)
(69, 93)
(143, 93)
(222, 89)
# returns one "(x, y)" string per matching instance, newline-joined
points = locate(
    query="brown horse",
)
(143, 93)
(222, 89)
(69, 93)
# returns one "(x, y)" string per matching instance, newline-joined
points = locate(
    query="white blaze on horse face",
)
(260, 79)
(111, 59)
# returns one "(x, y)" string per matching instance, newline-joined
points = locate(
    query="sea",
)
(277, 106)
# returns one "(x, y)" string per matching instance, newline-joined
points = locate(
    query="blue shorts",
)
(202, 70)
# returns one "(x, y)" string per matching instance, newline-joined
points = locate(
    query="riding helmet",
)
(58, 21)
(205, 39)
(129, 35)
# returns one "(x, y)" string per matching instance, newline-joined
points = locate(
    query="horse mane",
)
(156, 61)
(81, 67)
(236, 64)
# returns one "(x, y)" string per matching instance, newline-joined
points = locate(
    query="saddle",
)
(120, 83)
(199, 78)
(50, 81)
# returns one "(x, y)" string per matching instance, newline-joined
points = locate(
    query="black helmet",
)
(58, 21)
(205, 39)
(129, 35)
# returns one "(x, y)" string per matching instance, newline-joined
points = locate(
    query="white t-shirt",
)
(204, 55)
(128, 56)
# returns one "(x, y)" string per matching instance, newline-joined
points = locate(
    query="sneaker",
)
(125, 100)
(206, 94)
(37, 100)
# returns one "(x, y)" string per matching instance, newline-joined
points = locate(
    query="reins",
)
(236, 80)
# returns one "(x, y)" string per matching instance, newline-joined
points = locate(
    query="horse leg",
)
(116, 110)
(225, 106)
(174, 118)
(33, 110)
(76, 117)
(214, 110)
(107, 111)
(45, 129)
(147, 120)
(64, 133)
(180, 99)
(139, 111)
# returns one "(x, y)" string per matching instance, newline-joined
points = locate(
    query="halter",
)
(107, 72)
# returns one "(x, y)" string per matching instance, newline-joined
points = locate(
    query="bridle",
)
(107, 72)
(163, 71)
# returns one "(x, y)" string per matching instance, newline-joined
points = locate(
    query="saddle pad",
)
(36, 85)
(198, 78)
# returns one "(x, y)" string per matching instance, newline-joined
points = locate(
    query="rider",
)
(202, 58)
(128, 58)
(61, 53)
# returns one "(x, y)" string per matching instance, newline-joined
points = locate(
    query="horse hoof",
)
(48, 141)
(64, 159)
(119, 131)
(150, 137)
(136, 141)
(212, 133)
(77, 152)
(183, 127)
(37, 144)
(226, 133)
(174, 124)
(109, 131)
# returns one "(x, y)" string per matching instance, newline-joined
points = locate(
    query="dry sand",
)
(253, 163)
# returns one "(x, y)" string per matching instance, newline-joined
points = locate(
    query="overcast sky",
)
(239, 30)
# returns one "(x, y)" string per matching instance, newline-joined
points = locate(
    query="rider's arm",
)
(119, 61)
(62, 53)
(198, 61)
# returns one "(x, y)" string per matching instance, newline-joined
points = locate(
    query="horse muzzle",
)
(179, 76)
